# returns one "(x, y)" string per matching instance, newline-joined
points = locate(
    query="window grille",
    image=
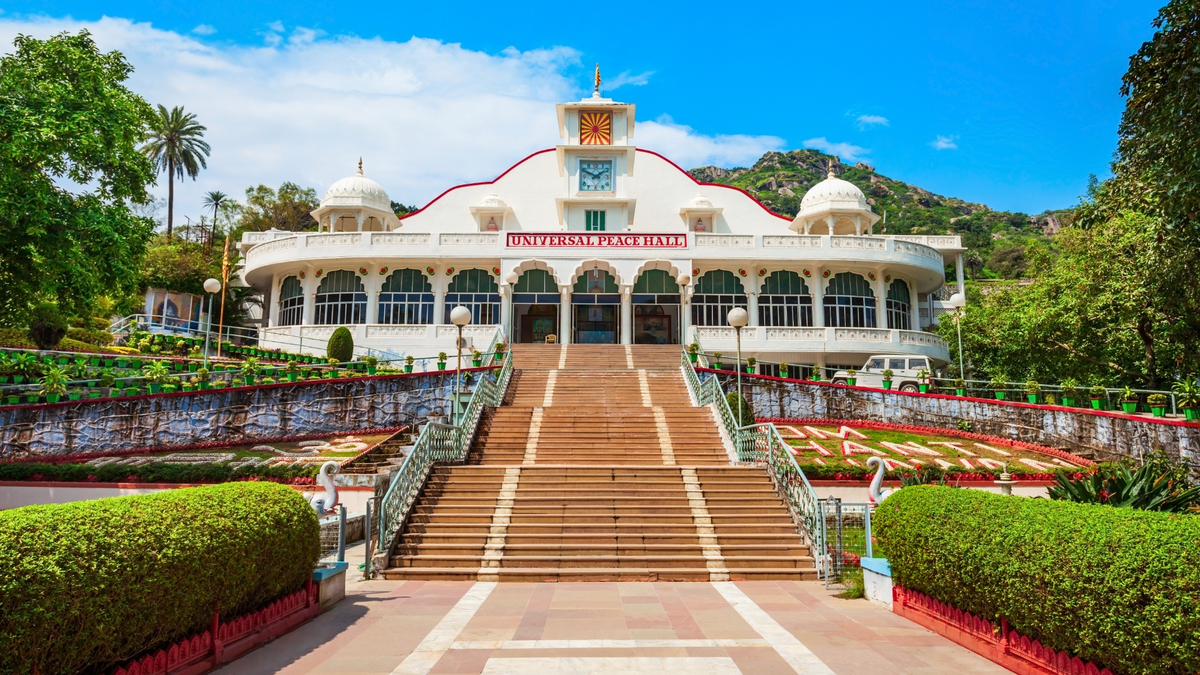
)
(717, 292)
(899, 306)
(594, 221)
(341, 300)
(785, 301)
(478, 291)
(406, 297)
(291, 302)
(849, 302)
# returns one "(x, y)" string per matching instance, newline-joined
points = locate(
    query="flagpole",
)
(224, 288)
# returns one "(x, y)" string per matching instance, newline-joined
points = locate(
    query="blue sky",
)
(1011, 104)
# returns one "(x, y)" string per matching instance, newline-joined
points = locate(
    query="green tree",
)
(217, 201)
(66, 117)
(176, 145)
(289, 208)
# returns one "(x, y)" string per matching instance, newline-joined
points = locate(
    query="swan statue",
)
(875, 493)
(326, 504)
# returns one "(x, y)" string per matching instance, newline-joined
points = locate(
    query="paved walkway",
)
(759, 628)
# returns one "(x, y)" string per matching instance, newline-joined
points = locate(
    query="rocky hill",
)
(780, 179)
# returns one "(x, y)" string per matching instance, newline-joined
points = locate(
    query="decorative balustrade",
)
(471, 239)
(860, 243)
(795, 334)
(399, 239)
(919, 249)
(725, 241)
(849, 339)
(791, 241)
(333, 239)
(862, 335)
(916, 337)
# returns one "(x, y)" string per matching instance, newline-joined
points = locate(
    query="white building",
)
(596, 241)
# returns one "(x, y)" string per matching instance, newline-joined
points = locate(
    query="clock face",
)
(595, 128)
(595, 176)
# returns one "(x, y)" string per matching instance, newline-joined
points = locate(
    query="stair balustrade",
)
(761, 444)
(437, 443)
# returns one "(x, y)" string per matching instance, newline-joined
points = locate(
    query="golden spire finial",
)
(360, 166)
(597, 78)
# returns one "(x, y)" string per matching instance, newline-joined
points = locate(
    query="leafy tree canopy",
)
(66, 118)
(285, 209)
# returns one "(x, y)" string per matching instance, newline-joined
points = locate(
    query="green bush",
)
(341, 345)
(1115, 586)
(155, 472)
(100, 338)
(89, 585)
(16, 338)
(47, 325)
(747, 412)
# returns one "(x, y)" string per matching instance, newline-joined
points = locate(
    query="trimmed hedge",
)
(155, 472)
(341, 345)
(1118, 587)
(88, 585)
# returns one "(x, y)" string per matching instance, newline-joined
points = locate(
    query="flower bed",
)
(88, 585)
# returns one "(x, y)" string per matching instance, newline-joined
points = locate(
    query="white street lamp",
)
(738, 318)
(958, 301)
(211, 286)
(459, 316)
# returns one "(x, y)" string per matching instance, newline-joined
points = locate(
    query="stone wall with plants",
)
(221, 415)
(1099, 436)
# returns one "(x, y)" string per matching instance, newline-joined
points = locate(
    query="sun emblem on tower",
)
(595, 128)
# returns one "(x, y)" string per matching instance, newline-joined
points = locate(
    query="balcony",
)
(857, 341)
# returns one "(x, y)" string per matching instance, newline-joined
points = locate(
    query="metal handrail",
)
(436, 443)
(762, 444)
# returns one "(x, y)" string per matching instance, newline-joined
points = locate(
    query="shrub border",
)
(999, 644)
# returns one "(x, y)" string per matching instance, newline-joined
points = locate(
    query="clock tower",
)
(595, 158)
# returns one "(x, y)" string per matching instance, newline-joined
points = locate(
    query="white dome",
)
(835, 191)
(492, 201)
(699, 202)
(357, 190)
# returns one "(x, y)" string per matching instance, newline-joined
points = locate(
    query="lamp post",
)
(738, 318)
(211, 286)
(957, 301)
(459, 316)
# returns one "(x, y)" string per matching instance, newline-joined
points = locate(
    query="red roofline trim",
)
(650, 152)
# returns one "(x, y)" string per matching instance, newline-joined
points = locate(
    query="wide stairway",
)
(598, 467)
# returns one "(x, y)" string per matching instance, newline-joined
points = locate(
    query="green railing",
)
(761, 444)
(437, 443)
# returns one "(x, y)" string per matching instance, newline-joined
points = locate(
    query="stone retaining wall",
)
(221, 415)
(1095, 435)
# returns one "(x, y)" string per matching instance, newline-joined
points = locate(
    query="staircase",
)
(598, 467)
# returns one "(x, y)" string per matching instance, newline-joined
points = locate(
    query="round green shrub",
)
(747, 412)
(1115, 586)
(88, 585)
(341, 345)
(47, 325)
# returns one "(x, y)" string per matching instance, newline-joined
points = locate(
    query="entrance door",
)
(596, 324)
(538, 322)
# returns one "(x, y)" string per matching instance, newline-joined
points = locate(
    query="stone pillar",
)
(627, 315)
(880, 300)
(506, 310)
(958, 272)
(685, 313)
(439, 298)
(358, 217)
(310, 298)
(564, 315)
(752, 307)
(915, 307)
(817, 286)
(372, 283)
(272, 317)
(830, 220)
(858, 225)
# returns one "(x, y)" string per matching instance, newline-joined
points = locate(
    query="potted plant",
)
(693, 350)
(1099, 397)
(1070, 391)
(74, 394)
(189, 385)
(157, 375)
(717, 360)
(94, 361)
(408, 363)
(923, 380)
(292, 370)
(1158, 404)
(816, 374)
(887, 378)
(1129, 400)
(108, 380)
(476, 358)
(249, 369)
(168, 389)
(998, 385)
(1032, 391)
(373, 363)
(750, 363)
(960, 387)
(202, 378)
(783, 369)
(441, 362)
(851, 377)
(268, 380)
(132, 391)
(54, 384)
(219, 384)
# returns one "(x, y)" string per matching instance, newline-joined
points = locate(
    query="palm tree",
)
(175, 144)
(215, 200)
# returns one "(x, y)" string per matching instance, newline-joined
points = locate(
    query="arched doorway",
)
(595, 309)
(535, 307)
(656, 309)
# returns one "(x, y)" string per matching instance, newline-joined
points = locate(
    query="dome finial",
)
(828, 172)
(359, 167)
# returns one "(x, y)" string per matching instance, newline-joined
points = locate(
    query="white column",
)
(271, 302)
(880, 300)
(858, 225)
(439, 297)
(930, 298)
(830, 220)
(564, 315)
(310, 298)
(358, 217)
(372, 284)
(506, 310)
(915, 307)
(817, 285)
(685, 313)
(958, 272)
(626, 315)
(752, 307)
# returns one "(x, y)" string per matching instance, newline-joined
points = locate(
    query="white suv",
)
(904, 372)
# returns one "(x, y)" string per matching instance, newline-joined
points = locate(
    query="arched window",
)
(291, 302)
(717, 292)
(536, 281)
(406, 297)
(341, 299)
(784, 300)
(595, 281)
(899, 306)
(655, 287)
(478, 291)
(849, 302)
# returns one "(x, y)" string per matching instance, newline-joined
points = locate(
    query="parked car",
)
(904, 372)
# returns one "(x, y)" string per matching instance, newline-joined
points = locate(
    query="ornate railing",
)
(437, 442)
(762, 444)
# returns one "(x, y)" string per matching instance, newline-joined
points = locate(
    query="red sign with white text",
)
(595, 240)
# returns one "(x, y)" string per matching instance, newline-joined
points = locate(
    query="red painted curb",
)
(154, 486)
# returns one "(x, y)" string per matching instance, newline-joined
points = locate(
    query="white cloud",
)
(626, 78)
(846, 151)
(204, 29)
(944, 143)
(424, 115)
(682, 145)
(865, 121)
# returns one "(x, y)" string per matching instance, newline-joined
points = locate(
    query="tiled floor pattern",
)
(759, 628)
